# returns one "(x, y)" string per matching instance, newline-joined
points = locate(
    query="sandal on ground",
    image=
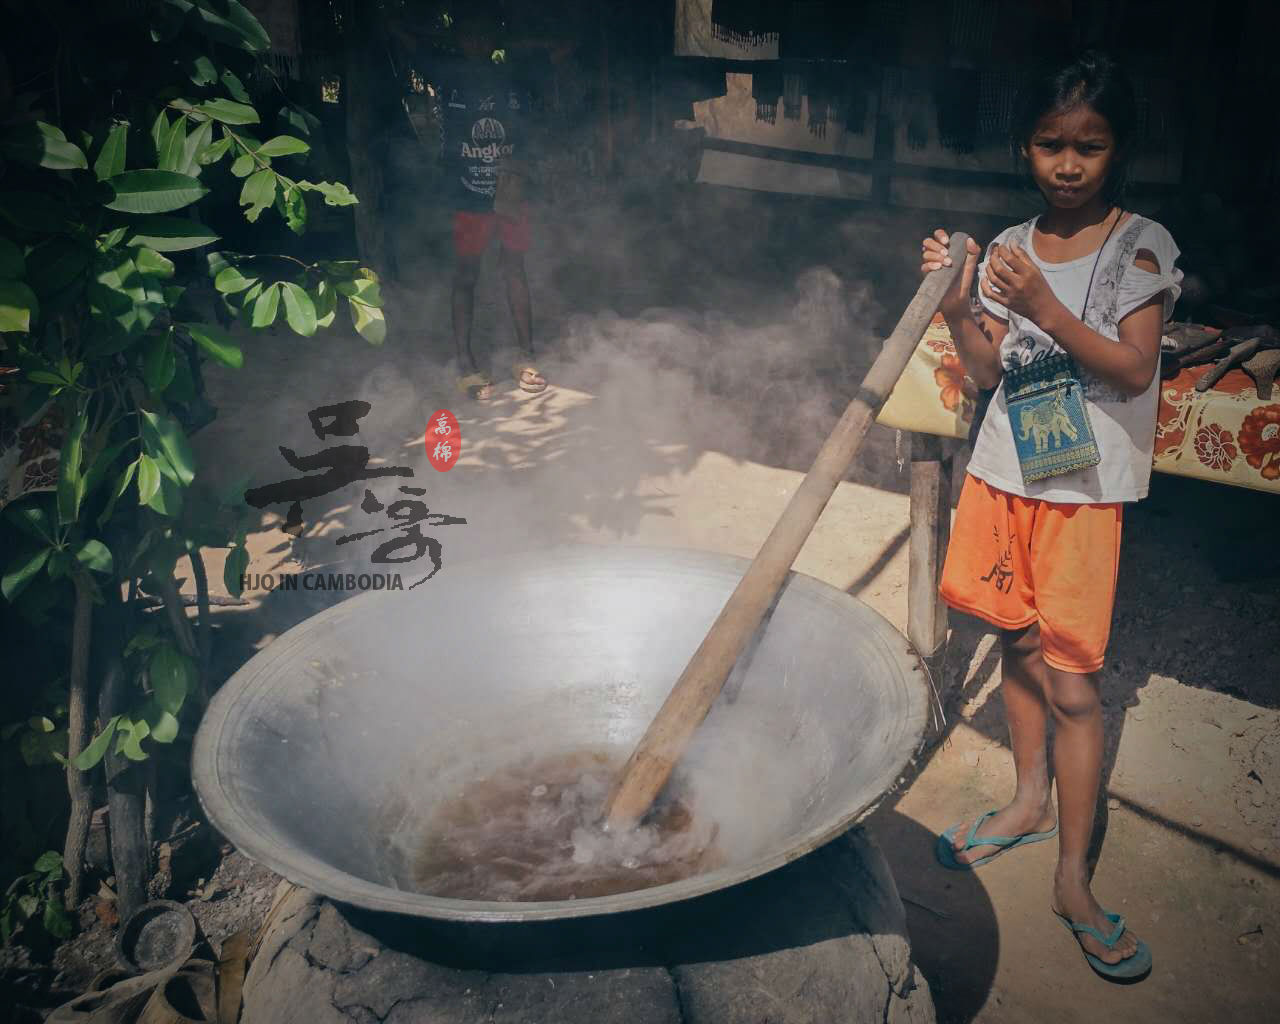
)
(521, 370)
(1133, 966)
(946, 851)
(477, 386)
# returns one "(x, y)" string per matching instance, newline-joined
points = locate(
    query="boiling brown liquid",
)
(532, 832)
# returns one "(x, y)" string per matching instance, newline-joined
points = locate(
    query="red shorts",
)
(472, 232)
(1017, 561)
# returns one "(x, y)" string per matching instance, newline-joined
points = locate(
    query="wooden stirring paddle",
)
(687, 705)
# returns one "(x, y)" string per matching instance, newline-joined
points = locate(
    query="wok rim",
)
(302, 868)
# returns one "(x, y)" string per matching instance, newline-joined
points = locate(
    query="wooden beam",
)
(930, 532)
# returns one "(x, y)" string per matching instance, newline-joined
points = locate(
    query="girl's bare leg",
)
(1023, 687)
(1076, 706)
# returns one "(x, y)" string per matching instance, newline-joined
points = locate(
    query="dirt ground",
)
(695, 367)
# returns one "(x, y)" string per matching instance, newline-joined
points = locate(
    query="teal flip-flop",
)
(946, 851)
(1134, 966)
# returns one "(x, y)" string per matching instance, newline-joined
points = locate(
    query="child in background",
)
(1073, 304)
(484, 114)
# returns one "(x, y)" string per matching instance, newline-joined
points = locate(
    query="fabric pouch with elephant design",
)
(1051, 430)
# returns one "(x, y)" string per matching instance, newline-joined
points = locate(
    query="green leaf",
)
(258, 193)
(31, 520)
(368, 322)
(299, 119)
(18, 306)
(57, 264)
(42, 145)
(94, 752)
(21, 572)
(11, 262)
(165, 433)
(295, 209)
(102, 462)
(48, 862)
(69, 470)
(175, 140)
(158, 364)
(299, 310)
(196, 143)
(28, 905)
(45, 377)
(235, 87)
(217, 343)
(164, 729)
(335, 193)
(151, 263)
(167, 500)
(283, 145)
(326, 302)
(153, 191)
(60, 563)
(122, 484)
(95, 556)
(243, 165)
(362, 289)
(110, 161)
(56, 921)
(118, 294)
(266, 307)
(230, 280)
(171, 234)
(235, 566)
(33, 211)
(173, 676)
(228, 111)
(144, 640)
(159, 130)
(212, 153)
(228, 22)
(249, 298)
(148, 479)
(202, 71)
(111, 239)
(131, 743)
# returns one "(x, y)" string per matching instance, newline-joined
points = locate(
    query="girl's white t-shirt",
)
(1123, 425)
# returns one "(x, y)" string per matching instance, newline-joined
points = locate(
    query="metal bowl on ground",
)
(327, 754)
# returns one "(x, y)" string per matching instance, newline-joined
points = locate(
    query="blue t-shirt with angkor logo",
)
(483, 114)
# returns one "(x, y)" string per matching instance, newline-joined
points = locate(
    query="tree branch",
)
(203, 626)
(77, 731)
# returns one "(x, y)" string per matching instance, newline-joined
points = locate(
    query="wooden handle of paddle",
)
(687, 705)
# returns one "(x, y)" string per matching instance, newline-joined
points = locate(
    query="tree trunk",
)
(77, 730)
(360, 84)
(204, 639)
(178, 620)
(126, 798)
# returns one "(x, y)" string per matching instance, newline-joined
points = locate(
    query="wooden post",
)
(930, 532)
(882, 152)
(360, 84)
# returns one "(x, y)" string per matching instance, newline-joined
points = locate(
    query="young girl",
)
(1072, 306)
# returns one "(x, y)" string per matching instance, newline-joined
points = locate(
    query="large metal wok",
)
(325, 756)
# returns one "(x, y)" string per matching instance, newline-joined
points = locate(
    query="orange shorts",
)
(472, 232)
(1017, 561)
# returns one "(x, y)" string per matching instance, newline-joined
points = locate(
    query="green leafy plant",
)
(34, 898)
(111, 175)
